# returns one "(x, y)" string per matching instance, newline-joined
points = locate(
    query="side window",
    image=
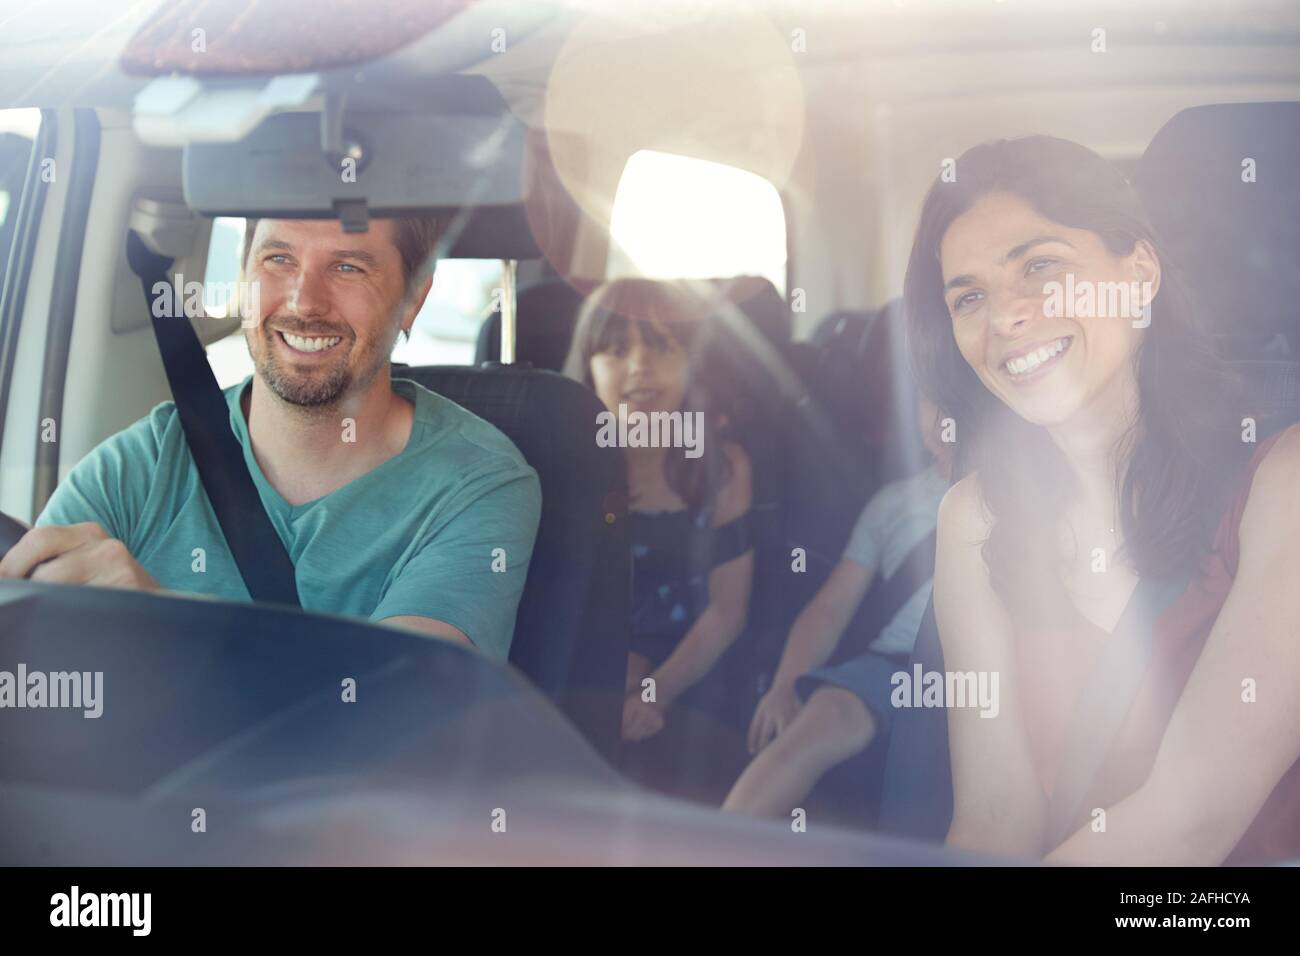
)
(679, 217)
(464, 293)
(228, 356)
(18, 129)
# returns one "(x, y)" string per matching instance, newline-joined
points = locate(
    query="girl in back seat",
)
(1121, 548)
(689, 499)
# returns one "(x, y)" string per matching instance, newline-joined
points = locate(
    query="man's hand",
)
(775, 712)
(641, 720)
(75, 554)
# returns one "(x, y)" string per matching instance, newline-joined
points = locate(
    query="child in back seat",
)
(815, 717)
(692, 560)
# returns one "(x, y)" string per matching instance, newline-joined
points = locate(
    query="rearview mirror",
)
(386, 164)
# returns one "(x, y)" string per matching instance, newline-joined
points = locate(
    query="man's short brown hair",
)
(415, 237)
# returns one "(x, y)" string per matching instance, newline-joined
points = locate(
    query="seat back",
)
(546, 314)
(862, 378)
(1219, 185)
(1272, 392)
(571, 632)
(806, 490)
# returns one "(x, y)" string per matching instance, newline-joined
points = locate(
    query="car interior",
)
(131, 134)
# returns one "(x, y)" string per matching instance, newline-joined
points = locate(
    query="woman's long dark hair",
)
(1173, 462)
(660, 307)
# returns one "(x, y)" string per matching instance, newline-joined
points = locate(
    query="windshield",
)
(873, 423)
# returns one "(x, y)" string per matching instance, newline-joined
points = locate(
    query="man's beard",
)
(318, 388)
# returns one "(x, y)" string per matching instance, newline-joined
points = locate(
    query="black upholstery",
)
(571, 634)
(806, 490)
(489, 232)
(761, 304)
(1236, 242)
(545, 316)
(1272, 391)
(862, 378)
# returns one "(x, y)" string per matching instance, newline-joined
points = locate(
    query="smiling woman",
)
(1099, 455)
(1024, 213)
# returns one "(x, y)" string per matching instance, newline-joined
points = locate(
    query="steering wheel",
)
(11, 529)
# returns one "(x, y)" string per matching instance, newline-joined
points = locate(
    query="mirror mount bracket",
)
(354, 214)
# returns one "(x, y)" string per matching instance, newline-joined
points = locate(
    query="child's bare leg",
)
(832, 727)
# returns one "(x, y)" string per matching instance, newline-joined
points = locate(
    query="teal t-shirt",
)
(417, 535)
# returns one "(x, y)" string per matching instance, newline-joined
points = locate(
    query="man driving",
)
(393, 503)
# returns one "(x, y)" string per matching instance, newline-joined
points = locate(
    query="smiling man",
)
(394, 503)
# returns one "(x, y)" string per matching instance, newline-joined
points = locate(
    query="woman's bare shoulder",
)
(963, 516)
(1273, 504)
(1283, 459)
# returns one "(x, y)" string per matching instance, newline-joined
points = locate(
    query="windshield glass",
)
(862, 421)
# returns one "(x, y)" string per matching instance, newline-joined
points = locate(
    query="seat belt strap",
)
(260, 555)
(885, 598)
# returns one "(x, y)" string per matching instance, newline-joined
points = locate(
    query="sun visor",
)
(293, 165)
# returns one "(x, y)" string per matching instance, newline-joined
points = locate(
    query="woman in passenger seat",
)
(1101, 452)
(815, 717)
(688, 508)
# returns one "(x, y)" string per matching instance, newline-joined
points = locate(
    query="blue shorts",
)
(868, 677)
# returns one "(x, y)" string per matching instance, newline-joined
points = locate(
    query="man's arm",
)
(81, 536)
(427, 625)
(75, 554)
(465, 581)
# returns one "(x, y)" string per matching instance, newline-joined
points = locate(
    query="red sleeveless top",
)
(1061, 661)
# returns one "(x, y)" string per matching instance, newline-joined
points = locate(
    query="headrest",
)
(491, 232)
(758, 299)
(1219, 183)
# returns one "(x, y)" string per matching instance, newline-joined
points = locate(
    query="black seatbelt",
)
(886, 598)
(259, 553)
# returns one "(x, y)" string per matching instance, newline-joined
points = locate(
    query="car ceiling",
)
(66, 52)
(856, 95)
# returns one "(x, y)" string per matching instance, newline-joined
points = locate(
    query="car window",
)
(18, 129)
(682, 217)
(464, 293)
